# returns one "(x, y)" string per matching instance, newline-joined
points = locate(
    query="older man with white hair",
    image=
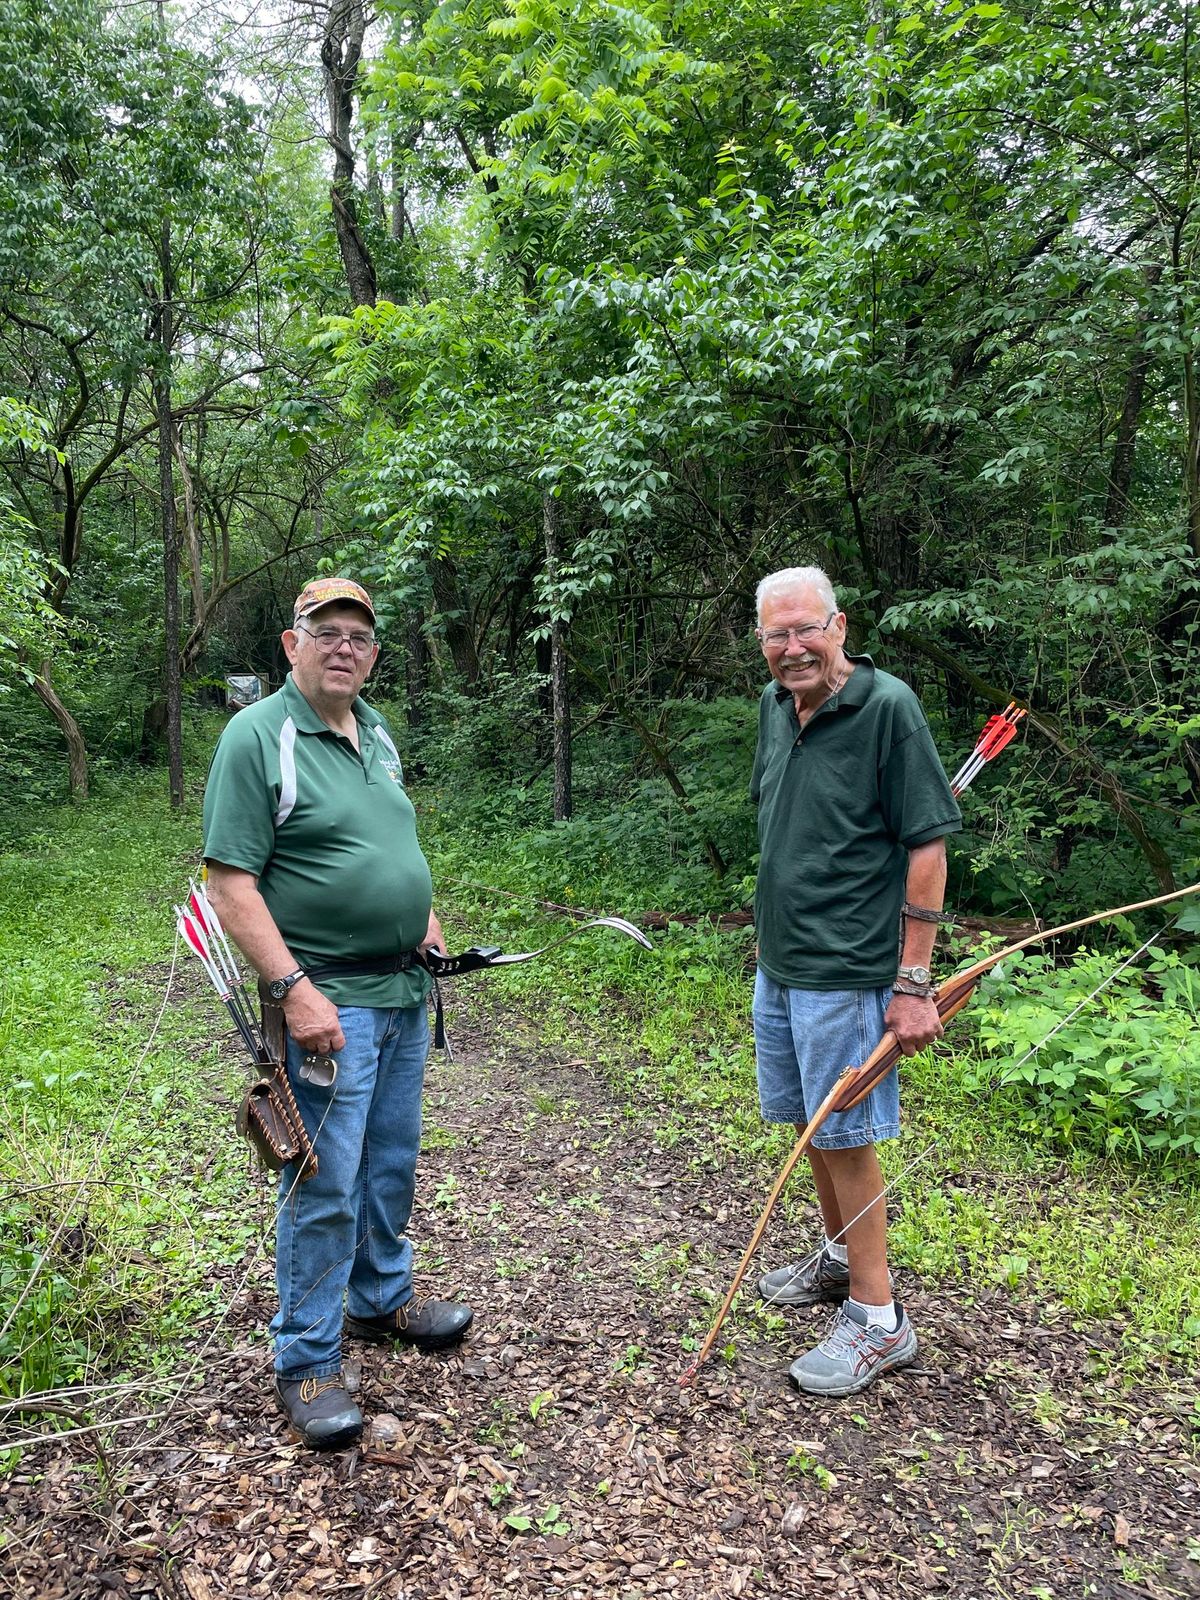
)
(853, 810)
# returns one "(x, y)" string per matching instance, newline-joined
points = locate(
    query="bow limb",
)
(996, 956)
(618, 923)
(828, 1105)
(481, 957)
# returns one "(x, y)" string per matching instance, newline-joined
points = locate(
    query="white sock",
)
(878, 1316)
(836, 1252)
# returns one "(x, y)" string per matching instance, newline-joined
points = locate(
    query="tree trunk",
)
(1120, 472)
(191, 532)
(77, 759)
(545, 699)
(560, 698)
(416, 665)
(1191, 463)
(341, 53)
(448, 597)
(172, 677)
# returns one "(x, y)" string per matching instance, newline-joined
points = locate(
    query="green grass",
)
(122, 1185)
(117, 1176)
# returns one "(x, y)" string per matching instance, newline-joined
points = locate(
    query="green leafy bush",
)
(1123, 1075)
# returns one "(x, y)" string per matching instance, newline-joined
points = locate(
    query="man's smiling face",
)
(809, 661)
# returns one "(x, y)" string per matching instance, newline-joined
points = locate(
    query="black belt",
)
(438, 965)
(367, 966)
(434, 963)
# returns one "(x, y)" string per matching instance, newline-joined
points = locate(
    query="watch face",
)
(915, 974)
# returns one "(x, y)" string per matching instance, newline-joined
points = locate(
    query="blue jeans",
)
(804, 1039)
(340, 1237)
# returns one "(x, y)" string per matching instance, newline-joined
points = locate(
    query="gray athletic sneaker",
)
(852, 1354)
(807, 1282)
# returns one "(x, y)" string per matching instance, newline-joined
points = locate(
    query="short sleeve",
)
(917, 803)
(239, 801)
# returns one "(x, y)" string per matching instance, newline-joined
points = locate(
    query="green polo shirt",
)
(841, 802)
(330, 835)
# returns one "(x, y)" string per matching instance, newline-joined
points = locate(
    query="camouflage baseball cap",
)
(328, 591)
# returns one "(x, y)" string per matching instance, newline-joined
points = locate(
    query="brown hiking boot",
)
(320, 1410)
(423, 1323)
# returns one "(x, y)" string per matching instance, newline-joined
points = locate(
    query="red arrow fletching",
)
(1002, 736)
(191, 932)
(986, 731)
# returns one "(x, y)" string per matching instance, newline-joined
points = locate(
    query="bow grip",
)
(951, 999)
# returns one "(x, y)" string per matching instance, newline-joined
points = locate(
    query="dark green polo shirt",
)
(331, 836)
(841, 802)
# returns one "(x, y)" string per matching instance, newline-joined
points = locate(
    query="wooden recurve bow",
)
(857, 1082)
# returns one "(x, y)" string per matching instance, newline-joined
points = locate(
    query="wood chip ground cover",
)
(554, 1453)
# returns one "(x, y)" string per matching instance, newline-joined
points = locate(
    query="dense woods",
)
(559, 326)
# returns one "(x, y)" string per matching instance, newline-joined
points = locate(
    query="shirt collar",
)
(857, 689)
(307, 720)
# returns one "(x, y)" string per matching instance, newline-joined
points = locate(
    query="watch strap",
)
(919, 991)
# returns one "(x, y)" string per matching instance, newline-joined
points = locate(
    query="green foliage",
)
(740, 289)
(1122, 1076)
(29, 626)
(630, 844)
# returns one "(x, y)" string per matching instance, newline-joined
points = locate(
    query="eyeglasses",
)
(805, 635)
(327, 640)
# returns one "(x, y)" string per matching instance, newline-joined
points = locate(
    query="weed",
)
(435, 1138)
(542, 1402)
(633, 1359)
(802, 1465)
(547, 1522)
(513, 1266)
(1049, 1410)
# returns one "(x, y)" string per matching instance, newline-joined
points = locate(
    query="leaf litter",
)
(554, 1452)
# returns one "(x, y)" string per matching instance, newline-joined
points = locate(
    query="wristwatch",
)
(278, 987)
(916, 975)
(914, 981)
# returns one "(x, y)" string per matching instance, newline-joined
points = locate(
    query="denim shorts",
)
(804, 1039)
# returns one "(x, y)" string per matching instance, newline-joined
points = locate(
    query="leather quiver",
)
(268, 1115)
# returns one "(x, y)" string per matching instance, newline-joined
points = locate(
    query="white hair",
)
(789, 579)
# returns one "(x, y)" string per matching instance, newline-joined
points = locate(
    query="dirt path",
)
(996, 1467)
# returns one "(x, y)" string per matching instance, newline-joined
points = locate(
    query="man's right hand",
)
(312, 1019)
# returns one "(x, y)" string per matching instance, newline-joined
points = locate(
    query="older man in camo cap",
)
(315, 869)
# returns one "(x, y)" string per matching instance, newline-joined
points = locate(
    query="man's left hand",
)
(914, 1021)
